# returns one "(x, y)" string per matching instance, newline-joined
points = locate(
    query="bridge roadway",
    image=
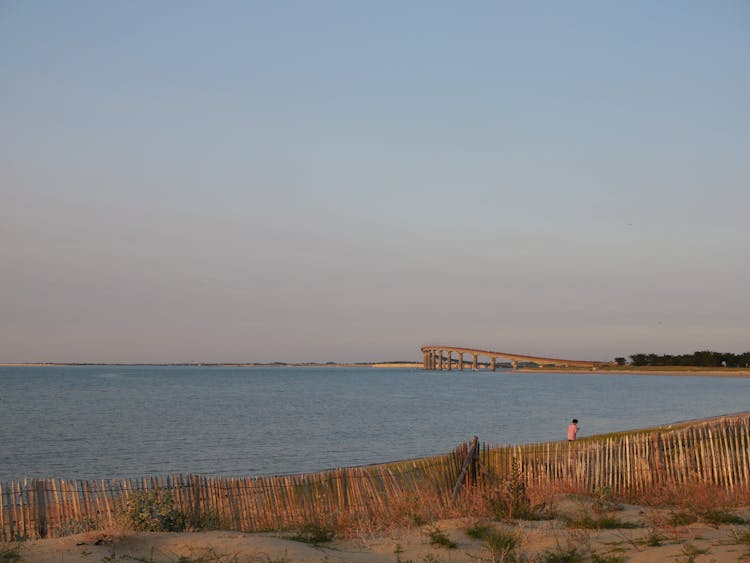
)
(435, 358)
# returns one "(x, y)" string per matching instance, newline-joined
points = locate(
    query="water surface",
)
(98, 422)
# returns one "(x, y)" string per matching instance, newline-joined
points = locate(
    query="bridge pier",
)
(434, 358)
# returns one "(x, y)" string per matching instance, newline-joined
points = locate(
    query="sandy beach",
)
(648, 537)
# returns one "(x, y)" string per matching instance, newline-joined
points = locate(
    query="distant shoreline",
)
(697, 372)
(395, 364)
(603, 370)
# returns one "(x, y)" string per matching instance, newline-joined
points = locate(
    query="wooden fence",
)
(38, 508)
(713, 452)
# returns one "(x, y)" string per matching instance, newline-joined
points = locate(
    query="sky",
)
(347, 181)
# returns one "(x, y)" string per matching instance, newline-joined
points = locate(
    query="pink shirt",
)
(572, 431)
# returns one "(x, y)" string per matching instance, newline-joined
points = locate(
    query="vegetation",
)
(314, 534)
(691, 553)
(10, 552)
(717, 516)
(511, 500)
(478, 531)
(502, 545)
(604, 522)
(682, 518)
(153, 512)
(704, 358)
(439, 539)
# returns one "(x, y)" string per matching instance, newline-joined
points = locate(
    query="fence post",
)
(471, 454)
(40, 497)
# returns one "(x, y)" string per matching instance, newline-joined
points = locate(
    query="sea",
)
(110, 422)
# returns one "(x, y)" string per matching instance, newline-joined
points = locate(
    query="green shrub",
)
(653, 539)
(605, 522)
(71, 527)
(604, 501)
(439, 539)
(314, 534)
(10, 553)
(512, 500)
(568, 555)
(478, 531)
(596, 558)
(153, 512)
(502, 544)
(721, 517)
(204, 521)
(682, 518)
(741, 536)
(691, 552)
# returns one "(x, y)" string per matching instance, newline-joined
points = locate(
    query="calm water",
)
(107, 422)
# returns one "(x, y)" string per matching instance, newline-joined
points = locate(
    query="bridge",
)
(441, 358)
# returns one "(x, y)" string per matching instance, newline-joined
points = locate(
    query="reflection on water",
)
(107, 422)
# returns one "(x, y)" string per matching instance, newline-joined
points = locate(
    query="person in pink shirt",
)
(572, 430)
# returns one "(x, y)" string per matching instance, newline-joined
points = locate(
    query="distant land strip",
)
(394, 364)
(602, 369)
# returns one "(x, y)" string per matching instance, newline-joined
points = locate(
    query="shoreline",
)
(645, 370)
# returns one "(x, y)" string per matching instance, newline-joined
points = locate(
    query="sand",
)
(705, 542)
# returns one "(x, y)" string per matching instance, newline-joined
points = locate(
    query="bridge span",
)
(439, 357)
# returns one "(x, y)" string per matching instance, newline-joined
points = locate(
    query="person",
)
(572, 430)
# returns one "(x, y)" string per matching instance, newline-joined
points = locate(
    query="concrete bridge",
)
(441, 358)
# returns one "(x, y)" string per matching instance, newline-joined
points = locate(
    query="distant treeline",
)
(705, 358)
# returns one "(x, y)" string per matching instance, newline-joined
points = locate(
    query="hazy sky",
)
(349, 180)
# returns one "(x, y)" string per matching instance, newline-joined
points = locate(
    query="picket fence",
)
(713, 451)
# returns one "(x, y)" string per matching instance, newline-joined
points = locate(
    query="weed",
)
(478, 531)
(512, 501)
(606, 522)
(502, 544)
(570, 554)
(653, 539)
(691, 553)
(742, 536)
(439, 539)
(71, 527)
(10, 553)
(204, 521)
(596, 558)
(153, 512)
(604, 501)
(114, 558)
(398, 551)
(207, 555)
(714, 516)
(314, 534)
(682, 518)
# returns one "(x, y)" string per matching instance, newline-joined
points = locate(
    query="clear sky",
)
(338, 180)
